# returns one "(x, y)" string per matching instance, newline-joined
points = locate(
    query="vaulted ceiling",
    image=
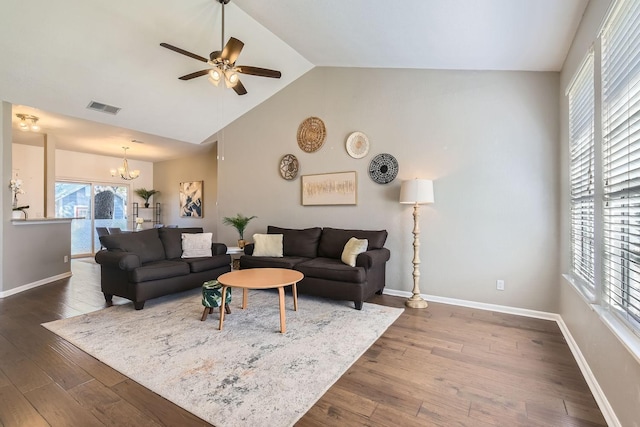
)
(57, 57)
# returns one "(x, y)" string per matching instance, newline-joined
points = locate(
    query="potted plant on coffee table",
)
(145, 194)
(239, 222)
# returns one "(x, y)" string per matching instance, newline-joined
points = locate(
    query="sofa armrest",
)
(218, 249)
(248, 248)
(118, 259)
(372, 258)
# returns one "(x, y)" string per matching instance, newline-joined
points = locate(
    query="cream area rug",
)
(248, 374)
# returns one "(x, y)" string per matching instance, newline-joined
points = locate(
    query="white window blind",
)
(582, 157)
(621, 160)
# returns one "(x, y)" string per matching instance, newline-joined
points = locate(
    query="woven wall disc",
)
(311, 134)
(289, 166)
(357, 145)
(383, 168)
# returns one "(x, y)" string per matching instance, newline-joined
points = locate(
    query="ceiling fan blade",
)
(184, 52)
(194, 75)
(256, 71)
(231, 50)
(239, 88)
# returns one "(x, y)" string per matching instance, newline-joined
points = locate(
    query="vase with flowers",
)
(139, 222)
(16, 188)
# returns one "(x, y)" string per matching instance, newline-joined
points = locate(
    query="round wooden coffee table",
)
(261, 278)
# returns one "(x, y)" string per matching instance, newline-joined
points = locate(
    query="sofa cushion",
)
(352, 249)
(298, 243)
(248, 261)
(331, 269)
(196, 245)
(146, 244)
(208, 263)
(172, 240)
(159, 270)
(332, 240)
(267, 245)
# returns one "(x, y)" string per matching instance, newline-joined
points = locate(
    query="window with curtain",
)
(621, 161)
(582, 162)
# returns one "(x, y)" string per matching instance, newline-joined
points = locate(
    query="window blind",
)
(582, 161)
(621, 160)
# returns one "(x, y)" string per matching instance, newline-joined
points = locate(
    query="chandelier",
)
(124, 171)
(28, 122)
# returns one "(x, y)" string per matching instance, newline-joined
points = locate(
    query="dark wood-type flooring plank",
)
(15, 409)
(441, 366)
(59, 408)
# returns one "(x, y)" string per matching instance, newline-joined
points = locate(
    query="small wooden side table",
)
(236, 252)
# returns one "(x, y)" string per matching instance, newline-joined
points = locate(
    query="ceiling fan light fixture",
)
(223, 62)
(231, 78)
(215, 76)
(34, 124)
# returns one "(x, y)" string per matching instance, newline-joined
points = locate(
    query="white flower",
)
(16, 186)
(139, 220)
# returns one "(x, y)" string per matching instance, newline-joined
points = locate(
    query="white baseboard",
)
(607, 411)
(598, 394)
(32, 285)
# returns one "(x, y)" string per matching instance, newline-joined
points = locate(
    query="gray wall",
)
(615, 368)
(488, 139)
(30, 253)
(167, 177)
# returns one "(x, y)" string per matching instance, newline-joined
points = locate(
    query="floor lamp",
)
(416, 192)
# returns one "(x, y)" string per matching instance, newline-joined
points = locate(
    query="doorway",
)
(95, 205)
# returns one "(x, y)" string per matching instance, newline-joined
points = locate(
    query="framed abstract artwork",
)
(329, 189)
(191, 204)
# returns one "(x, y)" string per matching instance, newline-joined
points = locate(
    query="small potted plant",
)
(239, 222)
(145, 194)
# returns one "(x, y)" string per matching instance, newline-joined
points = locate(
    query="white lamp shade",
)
(416, 191)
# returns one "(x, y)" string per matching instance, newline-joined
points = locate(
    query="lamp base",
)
(416, 301)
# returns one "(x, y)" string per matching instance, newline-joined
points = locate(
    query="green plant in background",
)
(145, 194)
(239, 222)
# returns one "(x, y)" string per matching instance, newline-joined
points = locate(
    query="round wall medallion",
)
(311, 134)
(383, 168)
(289, 166)
(357, 145)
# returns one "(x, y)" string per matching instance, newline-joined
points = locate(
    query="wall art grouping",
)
(191, 203)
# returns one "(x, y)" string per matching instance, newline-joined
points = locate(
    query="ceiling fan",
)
(224, 63)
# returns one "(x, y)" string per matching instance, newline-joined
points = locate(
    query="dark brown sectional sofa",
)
(316, 253)
(148, 264)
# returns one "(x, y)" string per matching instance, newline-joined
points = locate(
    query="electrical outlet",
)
(500, 285)
(66, 258)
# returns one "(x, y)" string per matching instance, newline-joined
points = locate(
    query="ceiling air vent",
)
(104, 108)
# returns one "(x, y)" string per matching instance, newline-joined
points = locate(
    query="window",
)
(621, 161)
(582, 158)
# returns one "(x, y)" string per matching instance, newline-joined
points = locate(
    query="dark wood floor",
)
(443, 366)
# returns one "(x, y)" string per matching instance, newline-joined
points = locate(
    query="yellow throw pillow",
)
(352, 249)
(195, 245)
(267, 245)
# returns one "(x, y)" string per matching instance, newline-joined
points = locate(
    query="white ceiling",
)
(58, 56)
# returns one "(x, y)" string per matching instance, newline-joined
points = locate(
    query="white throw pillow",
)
(196, 245)
(352, 249)
(267, 245)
